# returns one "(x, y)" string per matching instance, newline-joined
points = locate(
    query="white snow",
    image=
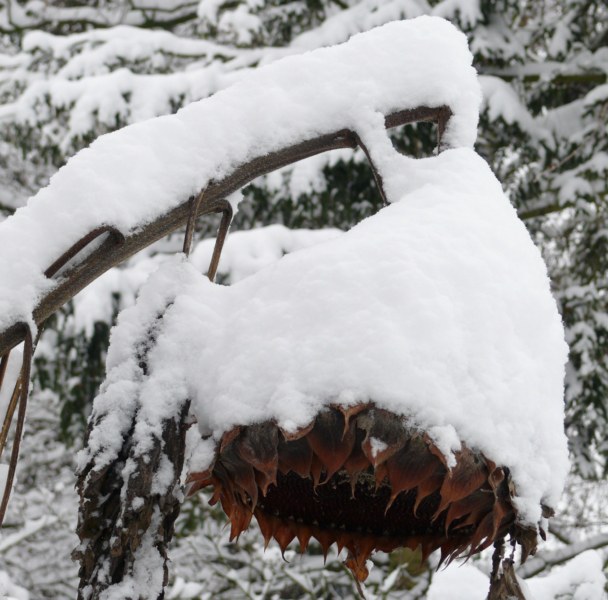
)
(501, 100)
(579, 579)
(377, 446)
(130, 177)
(244, 253)
(447, 441)
(115, 45)
(468, 11)
(463, 582)
(10, 590)
(437, 308)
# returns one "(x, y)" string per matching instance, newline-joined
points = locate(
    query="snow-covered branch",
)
(16, 17)
(31, 528)
(548, 558)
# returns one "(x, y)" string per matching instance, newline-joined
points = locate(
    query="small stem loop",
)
(222, 232)
(190, 226)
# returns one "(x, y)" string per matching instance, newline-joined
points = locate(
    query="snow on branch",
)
(120, 43)
(33, 14)
(549, 558)
(454, 271)
(137, 183)
(580, 577)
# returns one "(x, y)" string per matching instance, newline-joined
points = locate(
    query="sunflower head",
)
(363, 478)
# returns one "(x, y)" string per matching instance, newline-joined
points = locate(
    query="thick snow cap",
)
(437, 308)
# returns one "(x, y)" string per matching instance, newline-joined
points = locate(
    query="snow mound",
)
(437, 308)
(131, 177)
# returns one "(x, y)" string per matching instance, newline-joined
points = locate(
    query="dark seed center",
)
(332, 505)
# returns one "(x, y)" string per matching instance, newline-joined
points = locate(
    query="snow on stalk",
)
(137, 183)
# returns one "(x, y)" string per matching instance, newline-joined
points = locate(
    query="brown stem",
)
(28, 352)
(442, 122)
(196, 204)
(80, 245)
(113, 523)
(3, 366)
(375, 172)
(505, 585)
(222, 232)
(497, 556)
(8, 417)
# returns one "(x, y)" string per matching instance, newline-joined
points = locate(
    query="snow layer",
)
(464, 583)
(128, 178)
(437, 308)
(246, 252)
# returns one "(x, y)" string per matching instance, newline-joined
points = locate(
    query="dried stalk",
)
(117, 248)
(23, 386)
(219, 241)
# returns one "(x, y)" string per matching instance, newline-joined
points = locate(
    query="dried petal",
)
(468, 475)
(295, 456)
(229, 437)
(474, 507)
(303, 533)
(428, 487)
(283, 535)
(325, 538)
(359, 551)
(240, 473)
(349, 412)
(410, 466)
(329, 442)
(386, 435)
(258, 446)
(290, 436)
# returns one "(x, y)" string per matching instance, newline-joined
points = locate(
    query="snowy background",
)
(69, 74)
